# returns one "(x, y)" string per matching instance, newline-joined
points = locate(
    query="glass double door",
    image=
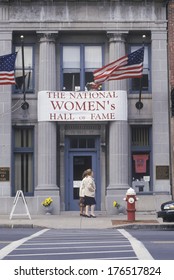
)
(77, 163)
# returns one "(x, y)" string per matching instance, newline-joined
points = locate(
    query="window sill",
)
(143, 96)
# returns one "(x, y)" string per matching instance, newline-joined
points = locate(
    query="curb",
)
(17, 226)
(120, 226)
(145, 226)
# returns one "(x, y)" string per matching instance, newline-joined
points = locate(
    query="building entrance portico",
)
(82, 146)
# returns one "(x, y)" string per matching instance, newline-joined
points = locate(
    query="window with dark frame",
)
(78, 65)
(140, 152)
(23, 159)
(82, 143)
(144, 82)
(29, 69)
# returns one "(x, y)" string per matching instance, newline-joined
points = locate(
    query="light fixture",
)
(25, 105)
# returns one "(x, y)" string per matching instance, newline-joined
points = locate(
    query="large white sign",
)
(82, 105)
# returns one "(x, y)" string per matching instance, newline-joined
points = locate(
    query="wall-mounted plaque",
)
(4, 174)
(162, 172)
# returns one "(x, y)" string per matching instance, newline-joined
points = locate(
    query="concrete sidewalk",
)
(72, 220)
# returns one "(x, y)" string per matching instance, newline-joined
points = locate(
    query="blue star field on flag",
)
(136, 57)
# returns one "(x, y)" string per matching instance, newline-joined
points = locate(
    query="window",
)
(141, 157)
(82, 143)
(23, 159)
(140, 136)
(144, 82)
(28, 67)
(78, 64)
(93, 60)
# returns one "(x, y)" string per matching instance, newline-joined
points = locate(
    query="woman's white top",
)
(88, 185)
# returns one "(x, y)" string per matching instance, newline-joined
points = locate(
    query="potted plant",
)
(119, 208)
(47, 203)
(116, 205)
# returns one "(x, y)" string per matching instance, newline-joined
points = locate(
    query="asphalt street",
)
(8, 235)
(53, 244)
(160, 243)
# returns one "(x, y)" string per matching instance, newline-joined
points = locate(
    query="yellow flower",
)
(116, 204)
(47, 201)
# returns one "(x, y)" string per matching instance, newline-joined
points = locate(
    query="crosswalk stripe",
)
(76, 247)
(71, 243)
(138, 247)
(71, 253)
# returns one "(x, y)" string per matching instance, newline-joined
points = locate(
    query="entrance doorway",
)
(77, 161)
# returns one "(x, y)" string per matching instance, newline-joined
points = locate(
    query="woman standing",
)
(89, 192)
(81, 195)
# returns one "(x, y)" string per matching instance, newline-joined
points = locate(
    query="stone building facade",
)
(64, 42)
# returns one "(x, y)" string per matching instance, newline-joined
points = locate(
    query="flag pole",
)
(25, 104)
(139, 104)
(23, 65)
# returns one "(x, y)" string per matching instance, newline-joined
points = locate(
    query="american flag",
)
(128, 66)
(7, 65)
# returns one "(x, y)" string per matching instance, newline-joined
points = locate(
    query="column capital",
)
(159, 35)
(119, 36)
(47, 36)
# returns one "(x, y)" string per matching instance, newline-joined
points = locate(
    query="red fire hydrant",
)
(131, 198)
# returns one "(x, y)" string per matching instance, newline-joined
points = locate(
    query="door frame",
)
(69, 155)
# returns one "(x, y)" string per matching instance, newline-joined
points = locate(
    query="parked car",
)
(167, 211)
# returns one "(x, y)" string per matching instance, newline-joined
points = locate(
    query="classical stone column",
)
(160, 110)
(5, 128)
(116, 50)
(118, 134)
(47, 150)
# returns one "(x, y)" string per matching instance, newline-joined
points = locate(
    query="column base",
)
(115, 193)
(44, 191)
